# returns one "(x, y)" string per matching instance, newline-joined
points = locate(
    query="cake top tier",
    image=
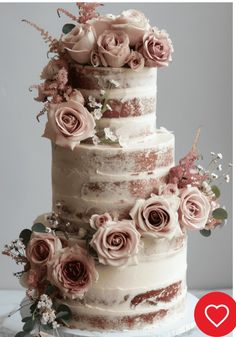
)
(100, 85)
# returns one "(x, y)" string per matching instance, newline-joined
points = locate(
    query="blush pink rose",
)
(102, 23)
(116, 243)
(194, 208)
(135, 61)
(113, 48)
(156, 48)
(133, 23)
(157, 216)
(79, 43)
(72, 271)
(97, 221)
(69, 123)
(41, 248)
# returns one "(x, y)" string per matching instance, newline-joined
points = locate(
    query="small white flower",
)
(227, 178)
(219, 167)
(200, 167)
(213, 153)
(19, 244)
(102, 92)
(45, 318)
(55, 325)
(219, 155)
(110, 135)
(115, 83)
(96, 140)
(97, 113)
(108, 107)
(214, 176)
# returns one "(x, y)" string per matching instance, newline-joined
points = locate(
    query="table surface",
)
(10, 299)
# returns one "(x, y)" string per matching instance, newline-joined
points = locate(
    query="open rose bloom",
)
(72, 271)
(69, 123)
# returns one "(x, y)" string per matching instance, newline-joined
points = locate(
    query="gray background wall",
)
(196, 90)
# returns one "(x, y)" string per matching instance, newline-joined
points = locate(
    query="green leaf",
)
(25, 235)
(28, 326)
(205, 232)
(220, 214)
(39, 227)
(33, 307)
(216, 191)
(21, 334)
(67, 28)
(50, 289)
(63, 311)
(26, 319)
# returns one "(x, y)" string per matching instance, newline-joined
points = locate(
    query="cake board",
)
(177, 328)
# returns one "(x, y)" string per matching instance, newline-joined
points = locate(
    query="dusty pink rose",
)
(157, 216)
(41, 248)
(95, 59)
(80, 42)
(116, 243)
(194, 208)
(135, 61)
(156, 48)
(113, 48)
(133, 23)
(97, 221)
(69, 123)
(72, 271)
(102, 23)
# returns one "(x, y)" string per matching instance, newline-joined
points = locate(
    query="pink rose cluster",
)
(116, 41)
(69, 268)
(165, 214)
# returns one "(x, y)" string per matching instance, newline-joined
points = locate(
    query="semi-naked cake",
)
(112, 253)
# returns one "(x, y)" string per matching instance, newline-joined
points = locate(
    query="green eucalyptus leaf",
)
(220, 214)
(26, 319)
(67, 28)
(64, 310)
(50, 289)
(39, 227)
(29, 326)
(21, 334)
(25, 235)
(205, 232)
(216, 191)
(33, 307)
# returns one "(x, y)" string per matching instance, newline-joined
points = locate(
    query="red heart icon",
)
(217, 314)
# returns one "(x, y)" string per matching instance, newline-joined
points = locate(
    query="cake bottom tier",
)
(151, 293)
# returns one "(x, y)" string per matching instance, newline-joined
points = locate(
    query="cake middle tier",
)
(107, 178)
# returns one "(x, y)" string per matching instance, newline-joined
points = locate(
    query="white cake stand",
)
(177, 328)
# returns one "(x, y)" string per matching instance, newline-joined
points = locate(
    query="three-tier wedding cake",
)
(112, 253)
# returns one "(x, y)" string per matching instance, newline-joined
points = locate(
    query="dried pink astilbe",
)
(53, 43)
(67, 13)
(87, 11)
(186, 173)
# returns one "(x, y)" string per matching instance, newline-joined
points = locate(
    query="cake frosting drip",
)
(108, 178)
